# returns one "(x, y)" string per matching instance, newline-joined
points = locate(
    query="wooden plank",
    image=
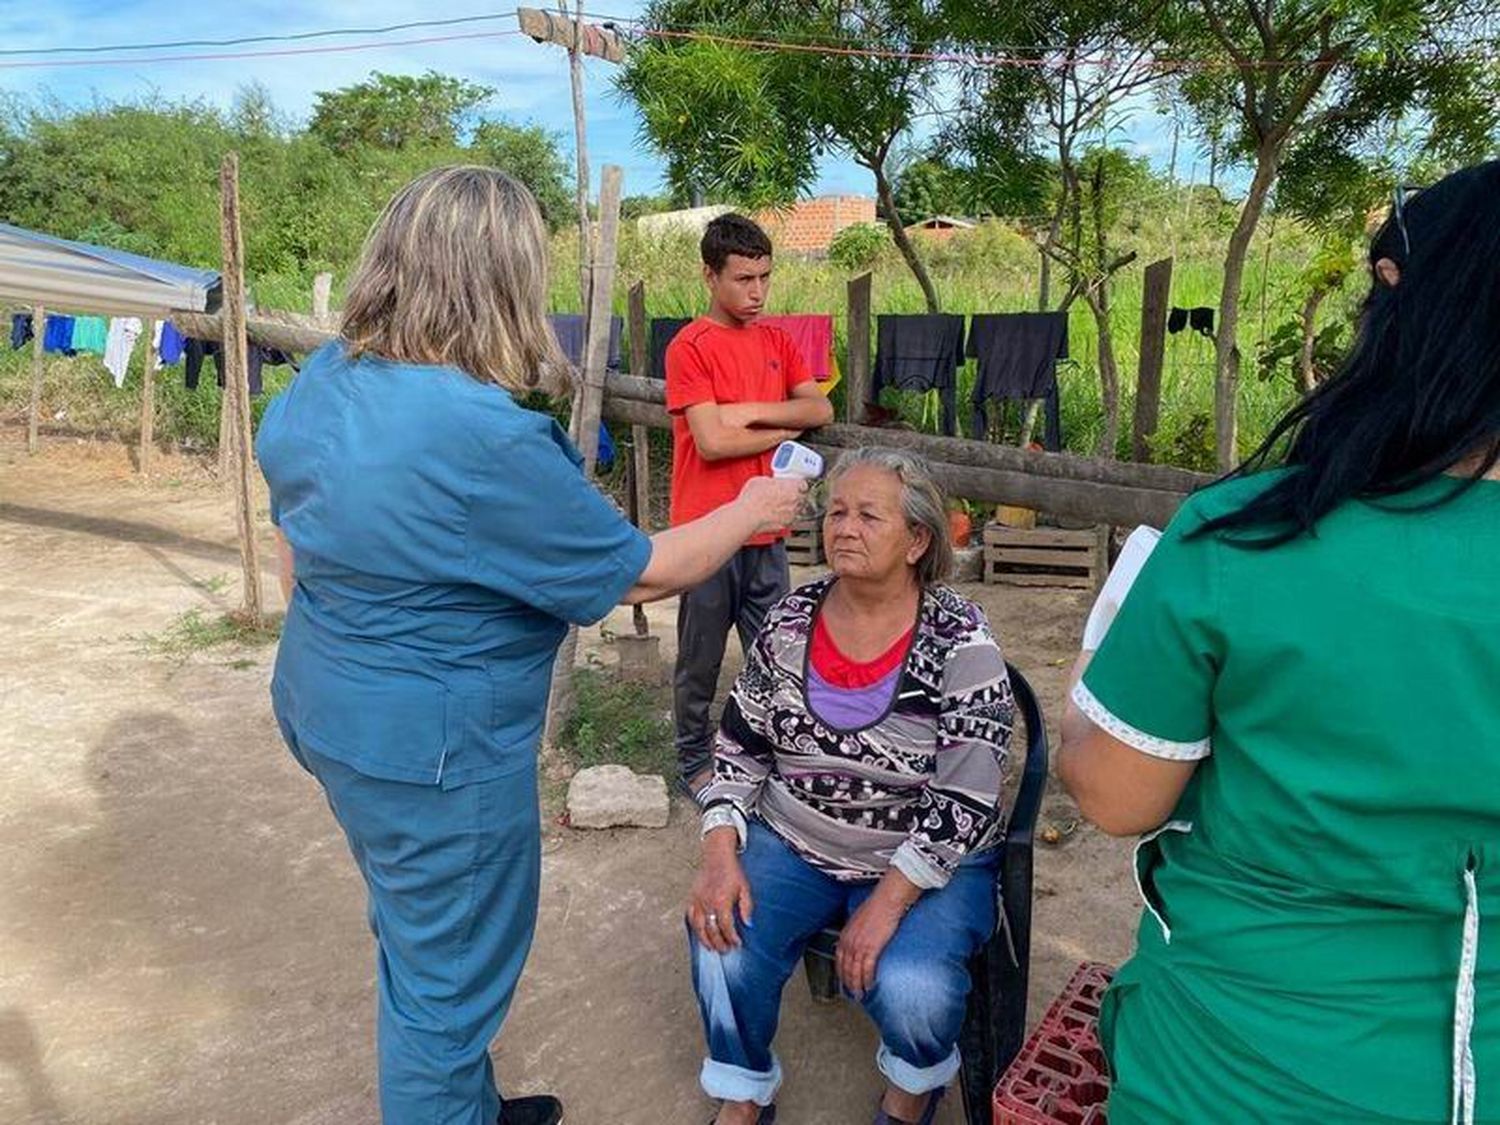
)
(966, 451)
(237, 381)
(148, 400)
(1054, 557)
(1071, 582)
(1153, 352)
(38, 369)
(857, 369)
(640, 436)
(589, 404)
(596, 346)
(1000, 535)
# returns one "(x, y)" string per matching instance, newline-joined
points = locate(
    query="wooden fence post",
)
(322, 292)
(148, 399)
(33, 413)
(857, 377)
(640, 436)
(588, 407)
(237, 382)
(1158, 293)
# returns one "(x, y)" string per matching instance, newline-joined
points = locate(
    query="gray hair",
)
(922, 502)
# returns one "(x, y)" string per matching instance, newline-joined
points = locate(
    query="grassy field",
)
(993, 269)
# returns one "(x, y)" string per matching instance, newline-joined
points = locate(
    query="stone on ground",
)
(617, 797)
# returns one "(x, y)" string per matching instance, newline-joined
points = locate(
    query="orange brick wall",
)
(808, 227)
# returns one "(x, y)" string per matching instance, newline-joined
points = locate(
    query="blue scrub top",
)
(444, 537)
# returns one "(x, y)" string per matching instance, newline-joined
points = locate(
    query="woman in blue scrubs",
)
(437, 540)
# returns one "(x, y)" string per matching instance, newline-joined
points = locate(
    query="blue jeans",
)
(453, 877)
(921, 982)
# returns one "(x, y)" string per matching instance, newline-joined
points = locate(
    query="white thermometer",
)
(793, 459)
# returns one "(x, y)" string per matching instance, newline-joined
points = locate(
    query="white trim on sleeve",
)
(1116, 727)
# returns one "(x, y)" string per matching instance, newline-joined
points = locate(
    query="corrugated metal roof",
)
(38, 269)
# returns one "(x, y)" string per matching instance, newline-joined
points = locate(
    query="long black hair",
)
(1420, 390)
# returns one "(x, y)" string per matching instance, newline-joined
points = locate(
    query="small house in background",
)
(808, 226)
(690, 220)
(941, 227)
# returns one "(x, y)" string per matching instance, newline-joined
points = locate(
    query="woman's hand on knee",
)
(719, 890)
(871, 928)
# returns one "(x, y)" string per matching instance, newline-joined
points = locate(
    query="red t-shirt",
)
(707, 362)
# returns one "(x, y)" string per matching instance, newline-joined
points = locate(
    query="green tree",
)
(1276, 79)
(393, 111)
(530, 154)
(751, 121)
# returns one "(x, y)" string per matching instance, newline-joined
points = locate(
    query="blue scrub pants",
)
(453, 876)
(921, 980)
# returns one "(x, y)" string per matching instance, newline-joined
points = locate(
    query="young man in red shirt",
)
(736, 390)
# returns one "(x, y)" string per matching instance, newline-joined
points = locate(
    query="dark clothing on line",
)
(20, 329)
(738, 596)
(569, 330)
(1018, 354)
(1200, 320)
(663, 330)
(256, 356)
(921, 353)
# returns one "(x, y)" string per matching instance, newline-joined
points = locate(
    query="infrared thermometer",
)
(795, 460)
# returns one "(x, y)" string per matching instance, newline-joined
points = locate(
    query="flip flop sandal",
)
(928, 1114)
(767, 1116)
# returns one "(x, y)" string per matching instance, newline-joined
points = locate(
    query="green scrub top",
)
(1312, 947)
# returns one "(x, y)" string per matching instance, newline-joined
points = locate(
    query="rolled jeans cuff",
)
(730, 1083)
(916, 1079)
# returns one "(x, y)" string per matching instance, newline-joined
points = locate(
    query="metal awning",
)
(75, 277)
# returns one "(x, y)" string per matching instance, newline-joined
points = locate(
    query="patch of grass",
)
(194, 632)
(214, 584)
(619, 723)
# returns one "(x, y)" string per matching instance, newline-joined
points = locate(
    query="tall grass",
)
(992, 269)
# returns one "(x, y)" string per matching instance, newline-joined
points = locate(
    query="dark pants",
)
(739, 596)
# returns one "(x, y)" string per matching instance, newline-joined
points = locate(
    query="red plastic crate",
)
(1060, 1076)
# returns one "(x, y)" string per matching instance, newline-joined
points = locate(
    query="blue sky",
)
(531, 80)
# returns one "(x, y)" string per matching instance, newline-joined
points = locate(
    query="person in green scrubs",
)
(1298, 706)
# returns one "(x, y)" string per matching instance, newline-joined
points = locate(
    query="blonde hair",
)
(454, 272)
(922, 503)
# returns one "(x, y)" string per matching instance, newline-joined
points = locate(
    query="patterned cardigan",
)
(919, 789)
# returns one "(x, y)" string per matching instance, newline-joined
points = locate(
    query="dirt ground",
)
(182, 932)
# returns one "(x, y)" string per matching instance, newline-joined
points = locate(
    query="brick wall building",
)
(809, 225)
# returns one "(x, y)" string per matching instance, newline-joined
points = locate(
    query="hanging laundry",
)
(1018, 354)
(569, 330)
(606, 458)
(1201, 320)
(20, 329)
(663, 328)
(921, 353)
(57, 336)
(168, 343)
(1177, 320)
(812, 336)
(90, 334)
(256, 357)
(119, 342)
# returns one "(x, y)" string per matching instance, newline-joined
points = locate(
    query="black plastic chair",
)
(995, 1023)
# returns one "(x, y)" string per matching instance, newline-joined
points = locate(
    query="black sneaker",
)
(539, 1109)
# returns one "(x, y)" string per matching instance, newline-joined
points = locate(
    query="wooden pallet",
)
(1043, 556)
(804, 546)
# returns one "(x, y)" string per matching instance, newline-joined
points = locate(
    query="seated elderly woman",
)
(857, 779)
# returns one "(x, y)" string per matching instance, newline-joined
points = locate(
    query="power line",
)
(337, 49)
(289, 38)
